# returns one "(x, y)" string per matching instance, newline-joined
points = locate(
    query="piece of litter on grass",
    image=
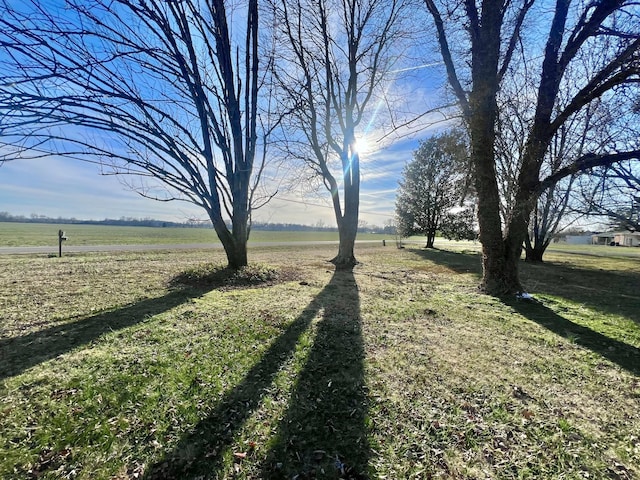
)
(524, 296)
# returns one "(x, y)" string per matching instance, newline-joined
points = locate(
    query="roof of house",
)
(616, 234)
(613, 234)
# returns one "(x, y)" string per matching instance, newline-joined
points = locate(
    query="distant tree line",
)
(186, 97)
(122, 221)
(319, 227)
(191, 223)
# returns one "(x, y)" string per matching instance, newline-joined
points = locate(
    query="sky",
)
(60, 187)
(63, 187)
(68, 188)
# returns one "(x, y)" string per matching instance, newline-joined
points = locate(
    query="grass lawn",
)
(43, 234)
(153, 365)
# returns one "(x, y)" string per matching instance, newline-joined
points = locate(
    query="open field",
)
(150, 365)
(43, 234)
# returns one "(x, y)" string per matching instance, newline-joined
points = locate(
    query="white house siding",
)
(627, 239)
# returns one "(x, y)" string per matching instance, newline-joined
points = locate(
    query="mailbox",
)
(61, 238)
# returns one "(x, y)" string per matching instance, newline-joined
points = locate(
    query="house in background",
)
(627, 239)
(603, 239)
(624, 239)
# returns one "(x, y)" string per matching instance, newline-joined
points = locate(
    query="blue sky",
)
(63, 187)
(59, 187)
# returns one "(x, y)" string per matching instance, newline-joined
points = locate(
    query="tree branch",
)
(586, 162)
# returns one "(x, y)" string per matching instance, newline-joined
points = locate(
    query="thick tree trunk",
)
(234, 244)
(499, 258)
(238, 258)
(504, 277)
(534, 254)
(235, 241)
(499, 270)
(499, 265)
(534, 250)
(346, 260)
(348, 222)
(431, 237)
(237, 255)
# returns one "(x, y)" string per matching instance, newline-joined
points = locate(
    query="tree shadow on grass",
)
(323, 433)
(601, 290)
(325, 418)
(625, 355)
(459, 262)
(613, 292)
(18, 354)
(605, 291)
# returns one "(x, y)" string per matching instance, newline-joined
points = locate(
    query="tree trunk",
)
(499, 265)
(431, 237)
(499, 262)
(346, 260)
(534, 254)
(234, 248)
(237, 255)
(534, 251)
(234, 242)
(239, 258)
(348, 222)
(507, 277)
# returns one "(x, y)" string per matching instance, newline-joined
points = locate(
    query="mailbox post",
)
(61, 238)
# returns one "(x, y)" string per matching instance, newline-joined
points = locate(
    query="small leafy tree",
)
(460, 225)
(433, 183)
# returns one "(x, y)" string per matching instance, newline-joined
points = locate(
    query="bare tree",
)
(613, 193)
(169, 91)
(598, 125)
(490, 45)
(333, 57)
(547, 219)
(550, 214)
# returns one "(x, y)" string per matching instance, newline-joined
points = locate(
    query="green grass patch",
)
(167, 365)
(43, 234)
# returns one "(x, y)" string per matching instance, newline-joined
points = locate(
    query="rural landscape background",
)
(163, 364)
(321, 326)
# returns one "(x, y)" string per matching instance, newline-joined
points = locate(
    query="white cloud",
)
(59, 187)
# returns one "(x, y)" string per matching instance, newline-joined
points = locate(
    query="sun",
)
(363, 146)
